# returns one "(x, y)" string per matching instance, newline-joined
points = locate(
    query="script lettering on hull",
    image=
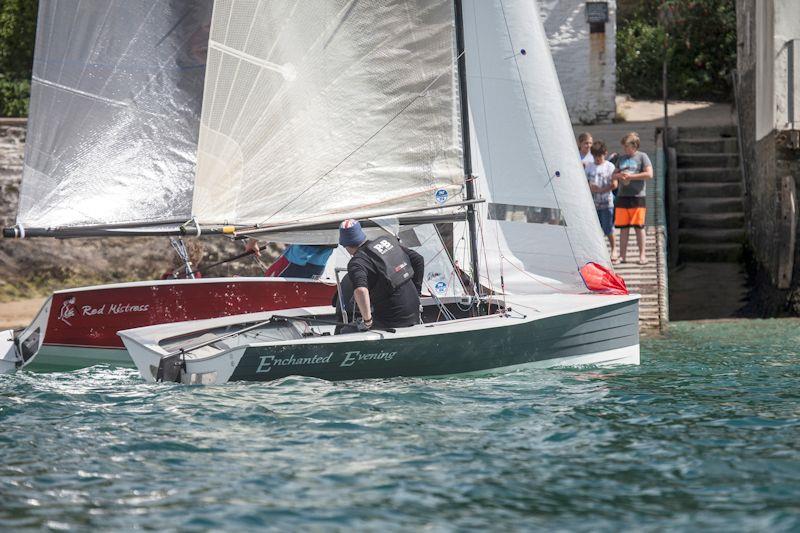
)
(268, 362)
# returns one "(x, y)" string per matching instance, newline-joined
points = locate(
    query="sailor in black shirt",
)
(385, 275)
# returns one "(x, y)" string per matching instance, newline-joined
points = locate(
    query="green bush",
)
(640, 49)
(14, 95)
(701, 54)
(17, 38)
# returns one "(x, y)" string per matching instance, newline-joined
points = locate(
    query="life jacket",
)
(392, 263)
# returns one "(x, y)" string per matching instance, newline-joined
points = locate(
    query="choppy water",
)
(704, 434)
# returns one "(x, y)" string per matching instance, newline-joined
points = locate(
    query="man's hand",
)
(252, 246)
(594, 188)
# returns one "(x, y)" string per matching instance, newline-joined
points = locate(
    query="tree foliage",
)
(17, 37)
(701, 49)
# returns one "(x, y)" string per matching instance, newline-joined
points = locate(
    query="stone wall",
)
(12, 145)
(33, 267)
(766, 161)
(585, 62)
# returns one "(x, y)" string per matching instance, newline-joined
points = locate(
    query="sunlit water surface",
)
(704, 434)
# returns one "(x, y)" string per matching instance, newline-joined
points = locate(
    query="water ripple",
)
(702, 435)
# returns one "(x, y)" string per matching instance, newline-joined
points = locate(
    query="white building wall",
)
(586, 62)
(765, 63)
(787, 78)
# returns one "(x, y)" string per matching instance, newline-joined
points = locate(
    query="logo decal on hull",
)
(67, 311)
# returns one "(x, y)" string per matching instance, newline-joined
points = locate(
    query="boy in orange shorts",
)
(633, 170)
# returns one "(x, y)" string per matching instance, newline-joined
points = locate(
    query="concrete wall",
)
(586, 62)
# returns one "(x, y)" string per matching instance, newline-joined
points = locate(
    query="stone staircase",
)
(710, 208)
(645, 279)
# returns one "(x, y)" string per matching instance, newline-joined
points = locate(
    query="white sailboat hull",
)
(542, 331)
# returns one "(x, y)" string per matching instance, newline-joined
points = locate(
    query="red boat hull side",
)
(91, 317)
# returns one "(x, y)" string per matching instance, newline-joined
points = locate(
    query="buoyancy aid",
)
(390, 260)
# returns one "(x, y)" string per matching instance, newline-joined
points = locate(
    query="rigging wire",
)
(180, 249)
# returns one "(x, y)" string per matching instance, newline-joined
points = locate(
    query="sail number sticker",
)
(440, 287)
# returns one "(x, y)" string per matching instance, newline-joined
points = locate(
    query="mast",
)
(462, 89)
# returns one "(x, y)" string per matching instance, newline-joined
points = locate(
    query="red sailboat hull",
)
(78, 327)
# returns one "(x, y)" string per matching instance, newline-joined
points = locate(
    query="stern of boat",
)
(18, 348)
(214, 366)
(9, 357)
(147, 358)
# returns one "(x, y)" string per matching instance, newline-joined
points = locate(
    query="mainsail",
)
(312, 112)
(321, 110)
(539, 225)
(114, 114)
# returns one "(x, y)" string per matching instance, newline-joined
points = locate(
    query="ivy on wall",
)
(17, 36)
(701, 49)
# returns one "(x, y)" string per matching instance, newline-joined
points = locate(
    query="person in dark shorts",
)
(599, 173)
(633, 170)
(385, 275)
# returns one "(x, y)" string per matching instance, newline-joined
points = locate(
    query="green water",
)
(705, 434)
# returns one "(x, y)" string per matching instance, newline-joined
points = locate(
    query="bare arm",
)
(362, 300)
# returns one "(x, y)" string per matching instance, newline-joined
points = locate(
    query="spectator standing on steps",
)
(599, 173)
(633, 170)
(584, 146)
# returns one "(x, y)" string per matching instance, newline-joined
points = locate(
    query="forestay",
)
(114, 113)
(539, 225)
(322, 109)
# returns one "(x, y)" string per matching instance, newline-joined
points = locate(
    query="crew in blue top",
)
(298, 260)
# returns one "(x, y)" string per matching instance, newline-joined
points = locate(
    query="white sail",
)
(114, 113)
(326, 109)
(539, 225)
